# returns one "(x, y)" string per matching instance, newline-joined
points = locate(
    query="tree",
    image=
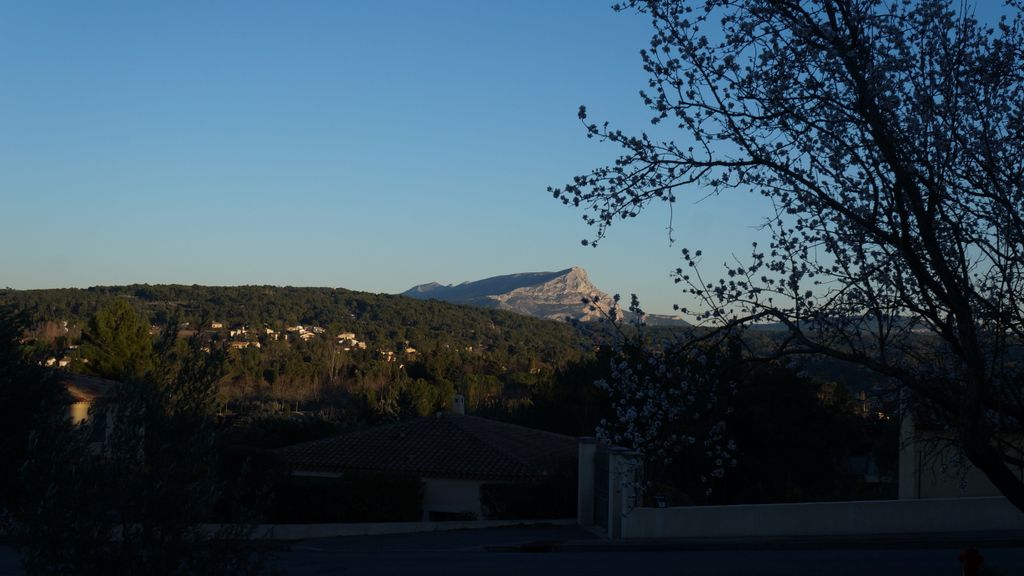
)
(716, 425)
(29, 395)
(673, 406)
(117, 343)
(889, 137)
(137, 504)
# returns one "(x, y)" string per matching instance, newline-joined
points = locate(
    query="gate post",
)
(625, 481)
(585, 482)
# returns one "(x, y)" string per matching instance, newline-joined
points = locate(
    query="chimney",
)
(458, 404)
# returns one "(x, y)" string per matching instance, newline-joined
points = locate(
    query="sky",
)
(366, 145)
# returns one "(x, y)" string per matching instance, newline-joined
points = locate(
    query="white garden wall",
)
(929, 516)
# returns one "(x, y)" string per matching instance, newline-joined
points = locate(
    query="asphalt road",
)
(499, 551)
(472, 553)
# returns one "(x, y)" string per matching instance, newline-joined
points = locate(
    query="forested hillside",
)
(311, 348)
(385, 320)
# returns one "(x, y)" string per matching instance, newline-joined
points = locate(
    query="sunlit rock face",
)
(554, 295)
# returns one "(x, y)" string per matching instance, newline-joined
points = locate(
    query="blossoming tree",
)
(889, 138)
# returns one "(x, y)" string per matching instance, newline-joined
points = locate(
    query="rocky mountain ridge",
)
(553, 295)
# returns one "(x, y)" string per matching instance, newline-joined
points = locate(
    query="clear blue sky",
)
(366, 145)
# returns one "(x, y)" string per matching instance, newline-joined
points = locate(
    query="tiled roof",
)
(441, 446)
(83, 388)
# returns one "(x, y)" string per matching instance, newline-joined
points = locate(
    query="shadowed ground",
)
(569, 551)
(498, 551)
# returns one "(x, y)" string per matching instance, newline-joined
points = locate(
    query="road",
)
(471, 553)
(498, 551)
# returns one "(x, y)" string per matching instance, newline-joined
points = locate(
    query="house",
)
(242, 344)
(463, 461)
(348, 341)
(84, 391)
(931, 465)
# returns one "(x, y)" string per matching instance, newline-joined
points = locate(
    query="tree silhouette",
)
(30, 395)
(136, 504)
(889, 138)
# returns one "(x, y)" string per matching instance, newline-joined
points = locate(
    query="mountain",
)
(554, 295)
(662, 320)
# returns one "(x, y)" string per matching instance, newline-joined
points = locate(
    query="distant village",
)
(240, 337)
